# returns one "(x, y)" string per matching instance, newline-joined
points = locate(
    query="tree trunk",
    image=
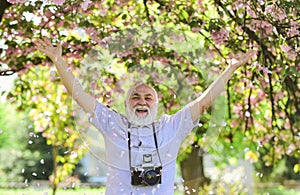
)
(54, 182)
(192, 171)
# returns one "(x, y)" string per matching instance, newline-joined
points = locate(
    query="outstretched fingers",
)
(242, 59)
(250, 54)
(43, 43)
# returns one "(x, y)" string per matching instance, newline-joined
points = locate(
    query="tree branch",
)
(147, 10)
(250, 33)
(228, 99)
(3, 5)
(249, 104)
(291, 121)
(273, 117)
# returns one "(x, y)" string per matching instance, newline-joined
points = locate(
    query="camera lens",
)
(151, 177)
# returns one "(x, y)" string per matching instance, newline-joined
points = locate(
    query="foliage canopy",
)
(168, 43)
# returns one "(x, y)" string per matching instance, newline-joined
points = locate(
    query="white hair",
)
(132, 88)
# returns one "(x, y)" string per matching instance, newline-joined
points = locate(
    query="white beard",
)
(134, 119)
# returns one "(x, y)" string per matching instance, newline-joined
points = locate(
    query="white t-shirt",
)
(170, 131)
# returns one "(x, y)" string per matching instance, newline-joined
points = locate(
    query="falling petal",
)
(73, 154)
(247, 114)
(224, 123)
(122, 154)
(42, 161)
(153, 191)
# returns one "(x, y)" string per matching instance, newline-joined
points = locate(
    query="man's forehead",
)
(138, 88)
(143, 89)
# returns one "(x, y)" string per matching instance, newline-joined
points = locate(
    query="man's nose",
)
(142, 102)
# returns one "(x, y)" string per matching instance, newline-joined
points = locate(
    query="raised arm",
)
(86, 101)
(199, 105)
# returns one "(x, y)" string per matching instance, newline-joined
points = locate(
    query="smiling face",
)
(141, 105)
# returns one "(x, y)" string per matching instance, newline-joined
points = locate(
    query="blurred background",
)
(246, 143)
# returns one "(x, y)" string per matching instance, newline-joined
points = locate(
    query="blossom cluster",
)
(84, 5)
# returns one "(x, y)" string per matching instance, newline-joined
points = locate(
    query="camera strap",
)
(129, 143)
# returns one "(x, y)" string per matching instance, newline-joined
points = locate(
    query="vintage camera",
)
(147, 174)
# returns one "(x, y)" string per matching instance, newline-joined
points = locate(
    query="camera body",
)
(147, 174)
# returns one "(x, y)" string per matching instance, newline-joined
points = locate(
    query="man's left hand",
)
(242, 59)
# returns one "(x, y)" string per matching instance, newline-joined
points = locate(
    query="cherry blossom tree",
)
(107, 42)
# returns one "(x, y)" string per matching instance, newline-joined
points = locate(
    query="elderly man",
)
(141, 152)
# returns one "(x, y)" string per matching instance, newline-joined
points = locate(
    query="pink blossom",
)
(253, 100)
(196, 29)
(291, 54)
(261, 26)
(270, 9)
(85, 4)
(266, 27)
(234, 123)
(295, 25)
(103, 10)
(251, 12)
(276, 13)
(16, 1)
(293, 31)
(220, 36)
(58, 2)
(239, 4)
(122, 3)
(285, 48)
(261, 94)
(237, 109)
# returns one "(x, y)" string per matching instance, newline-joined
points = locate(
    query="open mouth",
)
(141, 111)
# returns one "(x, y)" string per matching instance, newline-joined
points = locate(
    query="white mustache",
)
(142, 107)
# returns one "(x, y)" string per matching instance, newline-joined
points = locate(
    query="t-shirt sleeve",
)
(182, 122)
(102, 116)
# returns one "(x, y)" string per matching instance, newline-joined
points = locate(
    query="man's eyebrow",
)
(146, 95)
(149, 94)
(136, 94)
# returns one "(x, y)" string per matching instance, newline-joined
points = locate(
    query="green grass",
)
(100, 191)
(33, 191)
(278, 191)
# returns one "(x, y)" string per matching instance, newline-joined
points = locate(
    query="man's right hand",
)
(44, 44)
(86, 101)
